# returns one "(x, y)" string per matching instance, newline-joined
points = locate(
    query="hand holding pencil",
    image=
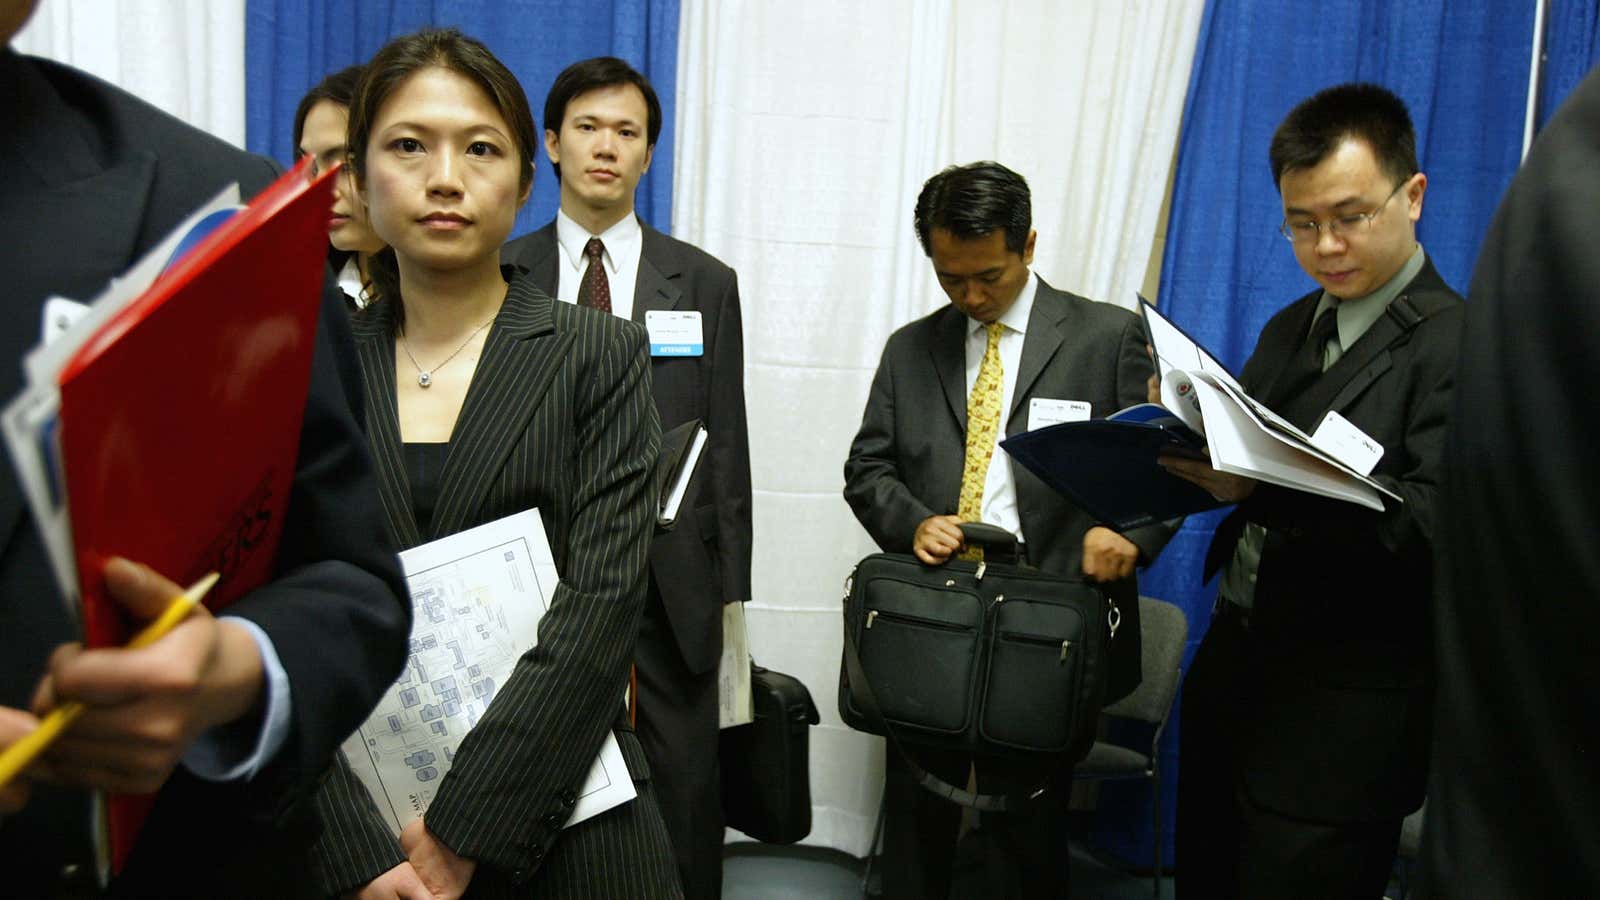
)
(139, 707)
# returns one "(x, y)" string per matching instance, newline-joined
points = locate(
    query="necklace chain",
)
(425, 376)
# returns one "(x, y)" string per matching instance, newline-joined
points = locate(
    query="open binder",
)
(163, 425)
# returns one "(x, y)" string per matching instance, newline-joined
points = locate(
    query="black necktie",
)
(595, 289)
(1305, 367)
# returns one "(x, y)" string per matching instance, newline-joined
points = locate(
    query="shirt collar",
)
(1015, 318)
(1357, 315)
(619, 239)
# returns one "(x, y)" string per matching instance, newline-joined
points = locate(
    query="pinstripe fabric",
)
(558, 416)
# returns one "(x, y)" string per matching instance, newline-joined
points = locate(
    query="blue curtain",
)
(1571, 48)
(291, 44)
(1463, 71)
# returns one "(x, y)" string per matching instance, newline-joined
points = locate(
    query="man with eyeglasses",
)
(1306, 713)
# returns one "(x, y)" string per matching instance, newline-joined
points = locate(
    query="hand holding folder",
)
(132, 696)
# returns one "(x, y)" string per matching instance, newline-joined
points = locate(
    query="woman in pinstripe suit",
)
(486, 397)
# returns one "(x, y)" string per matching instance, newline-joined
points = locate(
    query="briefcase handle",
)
(999, 545)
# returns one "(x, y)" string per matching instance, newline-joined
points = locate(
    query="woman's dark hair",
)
(340, 88)
(593, 74)
(974, 201)
(444, 48)
(1319, 124)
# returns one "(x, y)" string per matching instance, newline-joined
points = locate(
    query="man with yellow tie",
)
(1010, 353)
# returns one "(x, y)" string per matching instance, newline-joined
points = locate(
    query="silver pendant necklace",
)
(425, 376)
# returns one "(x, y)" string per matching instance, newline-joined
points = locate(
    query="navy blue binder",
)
(1108, 466)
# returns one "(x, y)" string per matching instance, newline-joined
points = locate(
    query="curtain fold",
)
(806, 134)
(1571, 49)
(185, 57)
(291, 44)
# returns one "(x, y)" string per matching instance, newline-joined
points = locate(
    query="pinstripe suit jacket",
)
(558, 416)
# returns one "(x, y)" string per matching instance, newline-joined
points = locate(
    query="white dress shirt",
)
(999, 486)
(624, 243)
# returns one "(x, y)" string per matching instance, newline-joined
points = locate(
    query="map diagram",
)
(475, 613)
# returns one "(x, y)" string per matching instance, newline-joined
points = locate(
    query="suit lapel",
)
(1040, 345)
(521, 357)
(658, 266)
(539, 256)
(374, 334)
(949, 352)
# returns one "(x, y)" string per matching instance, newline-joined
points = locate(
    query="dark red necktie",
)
(595, 290)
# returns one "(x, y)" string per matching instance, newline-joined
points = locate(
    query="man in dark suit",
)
(1512, 788)
(100, 178)
(601, 122)
(1305, 713)
(1019, 354)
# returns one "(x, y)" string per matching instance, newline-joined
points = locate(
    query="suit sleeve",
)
(1431, 385)
(728, 445)
(873, 485)
(517, 773)
(337, 613)
(1134, 369)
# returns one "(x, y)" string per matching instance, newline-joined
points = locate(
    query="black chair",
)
(1163, 629)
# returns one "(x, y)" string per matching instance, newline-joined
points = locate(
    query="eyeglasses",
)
(1309, 231)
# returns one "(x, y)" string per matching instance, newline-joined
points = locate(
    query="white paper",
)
(675, 332)
(477, 597)
(733, 671)
(1243, 436)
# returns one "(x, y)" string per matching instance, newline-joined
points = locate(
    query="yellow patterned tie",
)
(983, 426)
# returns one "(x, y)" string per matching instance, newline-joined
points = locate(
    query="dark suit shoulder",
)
(689, 256)
(531, 247)
(1084, 314)
(190, 164)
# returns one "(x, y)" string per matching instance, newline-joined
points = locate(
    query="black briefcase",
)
(766, 769)
(994, 659)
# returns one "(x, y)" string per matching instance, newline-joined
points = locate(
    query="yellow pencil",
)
(19, 755)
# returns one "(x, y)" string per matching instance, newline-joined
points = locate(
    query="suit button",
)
(535, 852)
(555, 821)
(519, 876)
(569, 799)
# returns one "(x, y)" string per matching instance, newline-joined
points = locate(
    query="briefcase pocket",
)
(1031, 694)
(919, 649)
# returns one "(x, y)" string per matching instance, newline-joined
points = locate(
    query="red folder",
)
(180, 417)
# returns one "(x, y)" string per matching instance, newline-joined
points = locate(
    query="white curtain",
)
(186, 57)
(804, 134)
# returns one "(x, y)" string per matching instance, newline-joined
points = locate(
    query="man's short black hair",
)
(974, 201)
(1319, 124)
(592, 74)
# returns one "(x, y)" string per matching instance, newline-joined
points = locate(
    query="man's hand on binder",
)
(1222, 485)
(144, 707)
(14, 725)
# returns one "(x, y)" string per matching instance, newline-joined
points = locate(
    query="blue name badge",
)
(674, 333)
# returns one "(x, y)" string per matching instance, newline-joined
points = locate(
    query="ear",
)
(552, 145)
(1027, 247)
(1414, 192)
(649, 154)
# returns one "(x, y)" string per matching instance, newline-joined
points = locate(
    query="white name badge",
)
(675, 333)
(1340, 439)
(1043, 413)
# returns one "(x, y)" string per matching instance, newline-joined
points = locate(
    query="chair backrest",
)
(1163, 629)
